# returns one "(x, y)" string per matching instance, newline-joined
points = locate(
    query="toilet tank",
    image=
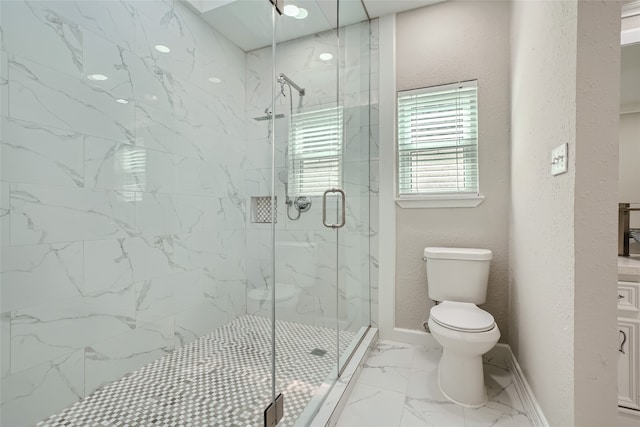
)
(457, 274)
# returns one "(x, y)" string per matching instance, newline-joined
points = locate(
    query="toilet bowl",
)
(457, 278)
(465, 332)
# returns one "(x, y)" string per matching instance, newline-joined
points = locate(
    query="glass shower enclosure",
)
(184, 209)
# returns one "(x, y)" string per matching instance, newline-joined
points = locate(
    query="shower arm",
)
(283, 77)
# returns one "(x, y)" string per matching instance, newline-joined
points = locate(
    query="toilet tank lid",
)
(458, 253)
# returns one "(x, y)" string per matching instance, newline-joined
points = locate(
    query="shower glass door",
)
(352, 239)
(320, 197)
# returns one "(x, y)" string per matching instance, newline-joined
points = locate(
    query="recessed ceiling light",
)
(302, 13)
(326, 56)
(291, 10)
(162, 48)
(97, 77)
(122, 101)
(214, 79)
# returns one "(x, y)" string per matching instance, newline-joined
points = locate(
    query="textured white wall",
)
(439, 44)
(562, 234)
(596, 212)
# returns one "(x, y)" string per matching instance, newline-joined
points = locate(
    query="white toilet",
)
(457, 279)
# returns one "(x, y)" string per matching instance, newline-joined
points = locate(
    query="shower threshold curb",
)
(334, 403)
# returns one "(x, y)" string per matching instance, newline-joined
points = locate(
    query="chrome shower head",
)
(268, 117)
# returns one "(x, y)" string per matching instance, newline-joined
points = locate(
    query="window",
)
(315, 151)
(438, 141)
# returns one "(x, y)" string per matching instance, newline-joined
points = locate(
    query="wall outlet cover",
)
(559, 159)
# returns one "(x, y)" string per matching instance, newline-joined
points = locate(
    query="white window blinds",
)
(438, 140)
(315, 151)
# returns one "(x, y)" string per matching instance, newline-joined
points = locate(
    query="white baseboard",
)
(628, 417)
(408, 336)
(527, 397)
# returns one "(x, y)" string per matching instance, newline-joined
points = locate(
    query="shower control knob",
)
(302, 203)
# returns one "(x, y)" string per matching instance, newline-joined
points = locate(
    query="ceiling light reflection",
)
(97, 77)
(291, 10)
(302, 13)
(162, 48)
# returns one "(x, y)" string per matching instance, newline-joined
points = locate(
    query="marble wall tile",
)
(190, 176)
(39, 155)
(53, 39)
(5, 349)
(114, 165)
(101, 56)
(235, 292)
(155, 299)
(197, 321)
(42, 95)
(201, 250)
(169, 213)
(35, 393)
(225, 212)
(37, 274)
(4, 84)
(108, 185)
(5, 215)
(160, 172)
(110, 20)
(107, 265)
(188, 290)
(165, 131)
(111, 359)
(43, 214)
(46, 331)
(152, 85)
(151, 256)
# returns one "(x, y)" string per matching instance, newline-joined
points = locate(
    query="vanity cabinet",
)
(629, 344)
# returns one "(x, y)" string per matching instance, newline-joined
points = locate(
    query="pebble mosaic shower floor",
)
(222, 379)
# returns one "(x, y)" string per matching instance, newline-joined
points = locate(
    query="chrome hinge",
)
(274, 412)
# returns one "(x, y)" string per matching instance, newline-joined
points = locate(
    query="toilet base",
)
(461, 379)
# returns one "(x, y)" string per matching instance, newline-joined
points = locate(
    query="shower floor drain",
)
(318, 352)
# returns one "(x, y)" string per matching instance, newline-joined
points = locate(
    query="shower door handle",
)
(324, 208)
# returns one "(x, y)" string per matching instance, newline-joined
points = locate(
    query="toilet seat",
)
(462, 317)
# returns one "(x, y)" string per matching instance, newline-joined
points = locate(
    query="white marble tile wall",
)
(122, 200)
(315, 300)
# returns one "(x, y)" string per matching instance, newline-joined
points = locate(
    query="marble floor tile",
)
(397, 371)
(372, 407)
(387, 377)
(391, 353)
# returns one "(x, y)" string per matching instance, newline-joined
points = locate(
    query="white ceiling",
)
(382, 7)
(247, 23)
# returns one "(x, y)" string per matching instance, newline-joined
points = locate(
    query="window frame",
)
(428, 199)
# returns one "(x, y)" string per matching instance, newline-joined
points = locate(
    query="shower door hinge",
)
(274, 412)
(279, 5)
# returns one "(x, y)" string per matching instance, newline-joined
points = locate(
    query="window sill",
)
(441, 202)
